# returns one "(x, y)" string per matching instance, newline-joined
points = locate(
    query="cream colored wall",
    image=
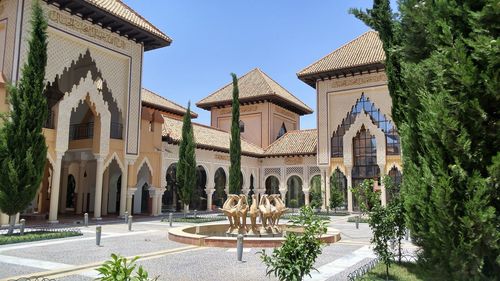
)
(262, 121)
(8, 17)
(336, 98)
(4, 105)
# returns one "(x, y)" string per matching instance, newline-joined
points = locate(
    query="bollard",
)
(23, 223)
(170, 219)
(197, 229)
(98, 233)
(407, 234)
(239, 247)
(126, 217)
(129, 223)
(195, 213)
(357, 222)
(86, 219)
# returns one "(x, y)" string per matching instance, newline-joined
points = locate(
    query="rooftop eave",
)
(272, 98)
(311, 78)
(166, 109)
(115, 24)
(169, 140)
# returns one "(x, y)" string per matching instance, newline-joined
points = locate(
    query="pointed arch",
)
(146, 161)
(114, 156)
(87, 88)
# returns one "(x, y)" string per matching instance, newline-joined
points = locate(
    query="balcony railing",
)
(81, 131)
(50, 122)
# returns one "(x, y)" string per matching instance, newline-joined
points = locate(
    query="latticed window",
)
(282, 131)
(365, 157)
(379, 119)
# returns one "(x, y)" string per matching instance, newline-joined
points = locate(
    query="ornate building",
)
(113, 146)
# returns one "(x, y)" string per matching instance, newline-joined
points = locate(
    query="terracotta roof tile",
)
(207, 137)
(254, 85)
(121, 10)
(364, 50)
(298, 142)
(152, 99)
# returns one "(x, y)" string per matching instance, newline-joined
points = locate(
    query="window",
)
(379, 119)
(365, 157)
(282, 131)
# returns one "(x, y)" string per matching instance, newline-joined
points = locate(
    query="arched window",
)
(282, 131)
(272, 185)
(378, 118)
(294, 195)
(219, 196)
(396, 179)
(365, 157)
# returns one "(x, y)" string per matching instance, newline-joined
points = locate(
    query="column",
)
(210, 193)
(323, 191)
(154, 201)
(54, 192)
(130, 194)
(306, 196)
(327, 187)
(123, 190)
(349, 186)
(159, 198)
(64, 187)
(105, 193)
(98, 187)
(383, 194)
(81, 188)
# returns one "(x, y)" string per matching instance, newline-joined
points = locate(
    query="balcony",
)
(81, 131)
(116, 131)
(50, 122)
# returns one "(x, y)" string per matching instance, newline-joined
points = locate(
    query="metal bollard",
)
(86, 220)
(98, 233)
(239, 247)
(126, 217)
(129, 223)
(357, 222)
(195, 213)
(23, 223)
(407, 234)
(170, 219)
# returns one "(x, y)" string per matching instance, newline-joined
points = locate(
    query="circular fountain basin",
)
(214, 235)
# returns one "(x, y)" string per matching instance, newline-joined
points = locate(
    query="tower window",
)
(282, 131)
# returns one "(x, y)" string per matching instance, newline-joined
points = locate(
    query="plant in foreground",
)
(121, 269)
(295, 258)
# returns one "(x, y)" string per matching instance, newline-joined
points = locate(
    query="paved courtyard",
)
(76, 258)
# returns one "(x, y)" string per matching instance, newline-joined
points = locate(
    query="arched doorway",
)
(219, 195)
(272, 185)
(294, 194)
(70, 194)
(170, 196)
(199, 196)
(338, 183)
(396, 179)
(144, 198)
(141, 199)
(365, 159)
(315, 196)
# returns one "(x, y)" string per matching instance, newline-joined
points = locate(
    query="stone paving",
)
(167, 259)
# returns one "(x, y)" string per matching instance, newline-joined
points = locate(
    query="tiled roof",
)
(207, 137)
(298, 142)
(364, 50)
(152, 99)
(253, 86)
(121, 10)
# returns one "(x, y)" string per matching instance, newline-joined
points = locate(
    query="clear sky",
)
(212, 38)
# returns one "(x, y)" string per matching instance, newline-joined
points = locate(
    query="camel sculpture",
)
(270, 208)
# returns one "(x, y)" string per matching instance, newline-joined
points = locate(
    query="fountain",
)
(269, 233)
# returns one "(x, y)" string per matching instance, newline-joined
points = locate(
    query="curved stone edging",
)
(187, 235)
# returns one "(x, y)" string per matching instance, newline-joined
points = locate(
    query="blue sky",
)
(213, 38)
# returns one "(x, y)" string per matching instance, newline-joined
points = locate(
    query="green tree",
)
(442, 60)
(22, 144)
(295, 258)
(366, 196)
(235, 145)
(382, 224)
(336, 195)
(186, 167)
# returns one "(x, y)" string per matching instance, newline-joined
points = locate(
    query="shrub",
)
(295, 258)
(120, 269)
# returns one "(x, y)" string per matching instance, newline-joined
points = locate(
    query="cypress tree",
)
(442, 66)
(235, 146)
(186, 167)
(22, 144)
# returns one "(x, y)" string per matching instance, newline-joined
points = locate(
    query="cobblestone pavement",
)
(75, 258)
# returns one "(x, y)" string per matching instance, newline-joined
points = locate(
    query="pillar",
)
(64, 187)
(327, 187)
(81, 188)
(98, 187)
(349, 186)
(159, 198)
(306, 196)
(383, 192)
(105, 193)
(210, 193)
(130, 194)
(154, 201)
(123, 191)
(54, 191)
(323, 191)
